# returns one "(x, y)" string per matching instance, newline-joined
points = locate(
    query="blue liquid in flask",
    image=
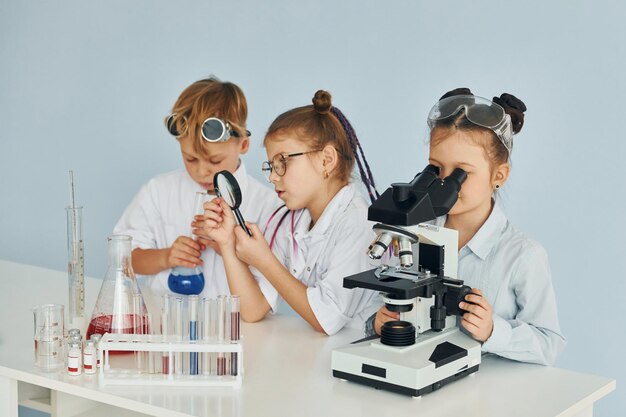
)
(186, 281)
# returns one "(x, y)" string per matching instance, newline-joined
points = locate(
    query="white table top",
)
(287, 371)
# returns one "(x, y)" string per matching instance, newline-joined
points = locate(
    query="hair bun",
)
(514, 107)
(513, 102)
(322, 102)
(462, 91)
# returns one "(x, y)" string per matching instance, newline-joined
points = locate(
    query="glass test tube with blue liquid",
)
(183, 280)
(193, 333)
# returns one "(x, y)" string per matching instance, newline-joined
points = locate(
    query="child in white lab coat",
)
(159, 217)
(513, 309)
(322, 234)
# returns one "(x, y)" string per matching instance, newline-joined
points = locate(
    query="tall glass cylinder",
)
(75, 268)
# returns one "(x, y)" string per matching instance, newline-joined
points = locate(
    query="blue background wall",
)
(85, 86)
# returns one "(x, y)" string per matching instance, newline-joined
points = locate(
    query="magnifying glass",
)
(227, 187)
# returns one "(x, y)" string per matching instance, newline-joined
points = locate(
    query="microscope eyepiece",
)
(458, 176)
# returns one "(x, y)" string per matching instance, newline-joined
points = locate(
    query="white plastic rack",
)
(143, 349)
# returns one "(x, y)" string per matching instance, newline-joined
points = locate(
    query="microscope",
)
(425, 349)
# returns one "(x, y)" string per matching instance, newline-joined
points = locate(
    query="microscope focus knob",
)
(438, 318)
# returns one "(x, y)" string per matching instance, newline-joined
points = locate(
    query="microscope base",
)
(433, 361)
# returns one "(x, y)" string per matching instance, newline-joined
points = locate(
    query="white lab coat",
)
(321, 257)
(513, 273)
(163, 210)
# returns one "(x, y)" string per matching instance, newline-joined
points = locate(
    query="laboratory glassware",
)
(193, 332)
(90, 357)
(183, 280)
(234, 330)
(96, 338)
(74, 359)
(120, 307)
(75, 261)
(48, 336)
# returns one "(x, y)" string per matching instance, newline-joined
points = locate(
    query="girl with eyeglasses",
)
(512, 309)
(318, 238)
(208, 121)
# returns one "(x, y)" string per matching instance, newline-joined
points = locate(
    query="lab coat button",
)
(308, 268)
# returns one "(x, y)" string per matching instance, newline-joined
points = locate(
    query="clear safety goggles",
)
(213, 129)
(479, 111)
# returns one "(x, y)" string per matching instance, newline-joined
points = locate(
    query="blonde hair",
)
(206, 98)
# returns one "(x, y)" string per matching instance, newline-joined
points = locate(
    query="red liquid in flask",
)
(128, 324)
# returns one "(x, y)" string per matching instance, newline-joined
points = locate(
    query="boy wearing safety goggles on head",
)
(512, 307)
(209, 122)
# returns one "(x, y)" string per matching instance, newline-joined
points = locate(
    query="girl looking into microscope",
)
(512, 308)
(318, 238)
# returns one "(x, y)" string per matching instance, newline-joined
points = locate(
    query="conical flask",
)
(120, 307)
(183, 280)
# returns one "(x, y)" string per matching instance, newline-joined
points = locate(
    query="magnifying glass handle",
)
(241, 222)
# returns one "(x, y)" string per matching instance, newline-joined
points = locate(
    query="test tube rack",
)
(153, 347)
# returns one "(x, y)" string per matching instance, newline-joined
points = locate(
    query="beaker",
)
(120, 307)
(48, 336)
(188, 281)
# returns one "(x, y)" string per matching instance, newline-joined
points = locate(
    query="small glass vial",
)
(89, 357)
(72, 334)
(96, 338)
(74, 356)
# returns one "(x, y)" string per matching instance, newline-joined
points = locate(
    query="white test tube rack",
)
(160, 344)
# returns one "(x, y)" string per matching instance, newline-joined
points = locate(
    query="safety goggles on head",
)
(213, 129)
(479, 111)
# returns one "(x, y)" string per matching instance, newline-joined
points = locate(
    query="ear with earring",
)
(497, 186)
(326, 175)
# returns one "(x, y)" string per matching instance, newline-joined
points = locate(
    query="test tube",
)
(151, 357)
(177, 318)
(165, 315)
(206, 334)
(193, 333)
(138, 328)
(223, 333)
(234, 331)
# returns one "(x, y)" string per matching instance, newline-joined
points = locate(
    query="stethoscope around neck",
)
(280, 221)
